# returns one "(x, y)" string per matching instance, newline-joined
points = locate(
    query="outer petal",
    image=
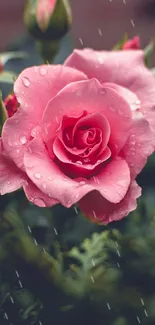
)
(46, 175)
(137, 148)
(99, 210)
(37, 197)
(34, 87)
(11, 179)
(92, 97)
(114, 67)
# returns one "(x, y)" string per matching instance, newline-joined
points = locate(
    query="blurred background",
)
(98, 23)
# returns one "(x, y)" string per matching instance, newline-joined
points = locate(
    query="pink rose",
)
(133, 43)
(83, 132)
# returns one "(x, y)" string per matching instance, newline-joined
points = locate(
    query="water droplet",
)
(23, 139)
(112, 108)
(37, 175)
(78, 93)
(50, 178)
(16, 121)
(132, 142)
(86, 160)
(77, 196)
(8, 182)
(100, 59)
(82, 183)
(17, 150)
(120, 112)
(102, 91)
(39, 202)
(99, 161)
(10, 143)
(50, 195)
(43, 71)
(35, 69)
(44, 186)
(26, 82)
(138, 102)
(78, 162)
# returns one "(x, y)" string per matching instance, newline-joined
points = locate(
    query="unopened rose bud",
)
(132, 44)
(1, 66)
(48, 20)
(11, 104)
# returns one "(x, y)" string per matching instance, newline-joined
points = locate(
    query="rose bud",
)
(11, 104)
(47, 20)
(132, 44)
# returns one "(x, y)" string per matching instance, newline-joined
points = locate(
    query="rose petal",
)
(137, 148)
(101, 211)
(77, 168)
(93, 98)
(37, 197)
(34, 87)
(49, 179)
(11, 179)
(96, 120)
(114, 67)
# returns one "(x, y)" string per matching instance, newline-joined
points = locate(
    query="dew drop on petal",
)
(10, 143)
(26, 82)
(82, 183)
(8, 182)
(17, 150)
(50, 178)
(23, 139)
(44, 186)
(99, 161)
(102, 91)
(37, 175)
(77, 196)
(43, 71)
(138, 102)
(78, 162)
(40, 202)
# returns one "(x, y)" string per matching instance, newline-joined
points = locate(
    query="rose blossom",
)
(83, 132)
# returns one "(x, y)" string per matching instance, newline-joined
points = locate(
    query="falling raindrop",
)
(99, 31)
(76, 210)
(17, 273)
(11, 299)
(93, 262)
(108, 305)
(138, 319)
(94, 213)
(81, 41)
(20, 284)
(55, 231)
(133, 24)
(29, 229)
(6, 316)
(35, 242)
(92, 279)
(23, 139)
(145, 312)
(26, 82)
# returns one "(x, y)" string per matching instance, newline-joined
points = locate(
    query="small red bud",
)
(132, 44)
(11, 104)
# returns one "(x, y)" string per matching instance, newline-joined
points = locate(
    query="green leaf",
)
(3, 114)
(120, 44)
(6, 56)
(7, 77)
(148, 53)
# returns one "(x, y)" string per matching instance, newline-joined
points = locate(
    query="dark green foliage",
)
(45, 279)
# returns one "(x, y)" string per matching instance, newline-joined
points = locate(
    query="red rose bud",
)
(44, 10)
(48, 20)
(132, 44)
(1, 66)
(11, 104)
